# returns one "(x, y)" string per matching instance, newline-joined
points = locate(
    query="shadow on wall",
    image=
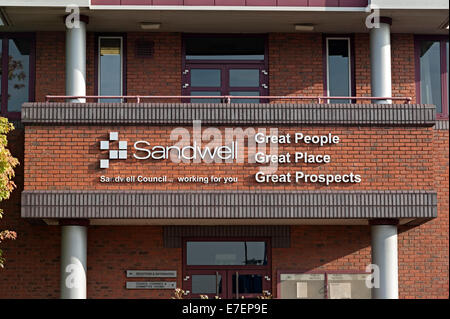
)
(325, 247)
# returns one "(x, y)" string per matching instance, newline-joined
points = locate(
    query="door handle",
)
(264, 86)
(217, 284)
(237, 285)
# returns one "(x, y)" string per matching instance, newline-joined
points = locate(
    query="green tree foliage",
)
(7, 164)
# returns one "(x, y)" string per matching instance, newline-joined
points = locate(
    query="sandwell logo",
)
(114, 153)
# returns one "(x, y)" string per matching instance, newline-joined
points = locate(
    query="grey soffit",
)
(218, 113)
(229, 204)
(280, 236)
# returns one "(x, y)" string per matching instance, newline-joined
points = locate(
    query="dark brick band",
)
(230, 204)
(280, 235)
(383, 221)
(240, 114)
(74, 222)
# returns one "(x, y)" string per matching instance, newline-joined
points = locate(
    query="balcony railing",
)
(227, 99)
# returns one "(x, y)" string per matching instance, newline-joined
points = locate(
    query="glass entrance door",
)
(227, 284)
(226, 269)
(232, 79)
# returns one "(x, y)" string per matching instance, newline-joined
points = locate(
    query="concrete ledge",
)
(217, 113)
(230, 204)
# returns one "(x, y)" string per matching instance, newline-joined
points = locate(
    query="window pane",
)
(447, 79)
(338, 69)
(206, 284)
(205, 78)
(430, 74)
(348, 286)
(110, 68)
(225, 48)
(248, 284)
(226, 253)
(302, 286)
(205, 93)
(244, 93)
(244, 78)
(19, 73)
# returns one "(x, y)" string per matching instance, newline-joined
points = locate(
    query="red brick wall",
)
(319, 248)
(59, 157)
(423, 251)
(295, 67)
(362, 65)
(159, 74)
(115, 249)
(50, 64)
(32, 261)
(295, 64)
(403, 67)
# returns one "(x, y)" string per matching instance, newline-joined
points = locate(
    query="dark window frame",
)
(264, 270)
(262, 64)
(225, 35)
(443, 39)
(351, 38)
(4, 37)
(124, 60)
(187, 267)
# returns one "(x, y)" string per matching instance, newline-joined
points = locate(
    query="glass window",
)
(324, 286)
(17, 57)
(430, 73)
(248, 284)
(205, 93)
(348, 286)
(226, 253)
(338, 69)
(205, 77)
(447, 54)
(432, 53)
(244, 93)
(110, 67)
(225, 48)
(302, 286)
(206, 284)
(244, 78)
(19, 73)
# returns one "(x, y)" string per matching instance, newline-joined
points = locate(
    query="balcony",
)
(273, 3)
(277, 110)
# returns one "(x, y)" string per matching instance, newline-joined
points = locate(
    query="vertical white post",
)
(76, 61)
(380, 60)
(73, 262)
(385, 256)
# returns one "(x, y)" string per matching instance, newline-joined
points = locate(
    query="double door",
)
(225, 79)
(227, 284)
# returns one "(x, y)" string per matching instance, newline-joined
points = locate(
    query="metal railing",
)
(226, 98)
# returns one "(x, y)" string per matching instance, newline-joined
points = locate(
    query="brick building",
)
(329, 134)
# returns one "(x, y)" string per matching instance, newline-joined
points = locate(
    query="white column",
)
(76, 61)
(73, 262)
(380, 60)
(384, 255)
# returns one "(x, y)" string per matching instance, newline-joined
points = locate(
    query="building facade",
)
(228, 148)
